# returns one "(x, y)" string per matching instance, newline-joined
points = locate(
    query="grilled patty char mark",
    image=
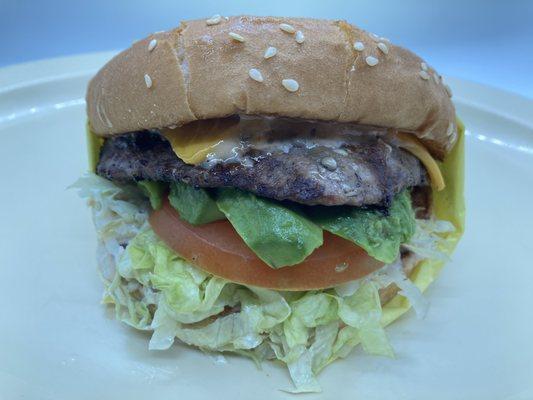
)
(368, 173)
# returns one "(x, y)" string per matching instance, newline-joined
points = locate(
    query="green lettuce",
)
(379, 232)
(119, 214)
(362, 311)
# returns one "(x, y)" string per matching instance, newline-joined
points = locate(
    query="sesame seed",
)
(378, 38)
(226, 18)
(341, 152)
(424, 75)
(152, 44)
(359, 46)
(424, 66)
(287, 28)
(236, 36)
(299, 37)
(214, 20)
(383, 47)
(371, 61)
(270, 52)
(255, 74)
(290, 84)
(436, 78)
(448, 90)
(148, 81)
(329, 163)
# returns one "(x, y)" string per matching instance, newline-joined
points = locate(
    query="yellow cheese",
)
(193, 149)
(195, 141)
(413, 146)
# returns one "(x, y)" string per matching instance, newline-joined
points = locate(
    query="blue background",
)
(485, 41)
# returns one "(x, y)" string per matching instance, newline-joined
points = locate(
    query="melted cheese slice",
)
(413, 146)
(195, 141)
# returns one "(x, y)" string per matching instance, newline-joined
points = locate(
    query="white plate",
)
(58, 342)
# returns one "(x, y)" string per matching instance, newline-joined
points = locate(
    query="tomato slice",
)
(218, 249)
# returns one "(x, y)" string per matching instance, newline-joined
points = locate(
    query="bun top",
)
(291, 67)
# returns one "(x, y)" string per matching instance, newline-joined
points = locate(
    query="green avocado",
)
(155, 191)
(280, 236)
(194, 205)
(379, 232)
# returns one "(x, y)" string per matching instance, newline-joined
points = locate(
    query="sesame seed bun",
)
(204, 70)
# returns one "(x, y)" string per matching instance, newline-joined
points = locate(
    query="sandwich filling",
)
(279, 182)
(153, 288)
(283, 187)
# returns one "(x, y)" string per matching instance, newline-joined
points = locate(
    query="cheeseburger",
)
(279, 188)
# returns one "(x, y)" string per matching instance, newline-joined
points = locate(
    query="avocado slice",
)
(155, 191)
(379, 231)
(280, 236)
(195, 205)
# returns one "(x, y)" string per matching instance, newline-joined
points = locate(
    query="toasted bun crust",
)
(198, 71)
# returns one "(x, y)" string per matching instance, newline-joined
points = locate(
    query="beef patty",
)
(366, 173)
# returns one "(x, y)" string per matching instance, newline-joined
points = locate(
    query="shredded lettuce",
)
(428, 240)
(119, 213)
(153, 288)
(362, 311)
(393, 274)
